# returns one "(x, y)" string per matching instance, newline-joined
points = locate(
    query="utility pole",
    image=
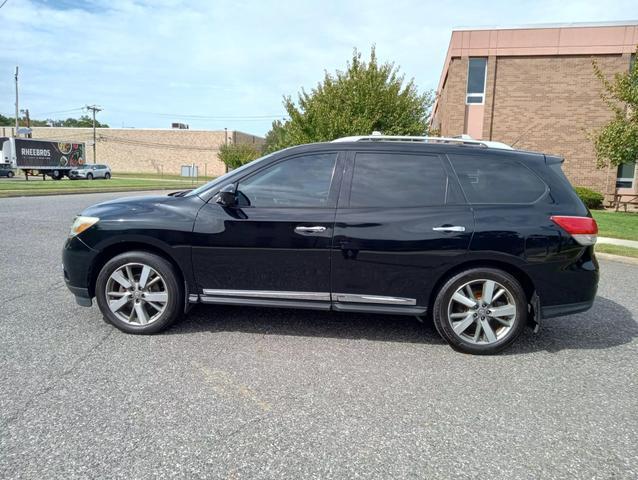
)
(94, 109)
(16, 77)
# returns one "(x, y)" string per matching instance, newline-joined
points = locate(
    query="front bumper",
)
(77, 259)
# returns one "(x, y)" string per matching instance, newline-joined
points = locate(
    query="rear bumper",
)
(566, 309)
(565, 288)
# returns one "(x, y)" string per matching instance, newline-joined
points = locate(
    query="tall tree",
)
(617, 142)
(367, 96)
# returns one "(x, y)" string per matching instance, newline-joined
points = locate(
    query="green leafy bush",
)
(235, 155)
(590, 198)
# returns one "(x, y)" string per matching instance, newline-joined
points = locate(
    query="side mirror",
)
(227, 197)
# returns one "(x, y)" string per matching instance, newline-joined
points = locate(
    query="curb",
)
(617, 258)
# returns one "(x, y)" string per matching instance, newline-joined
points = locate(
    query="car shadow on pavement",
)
(307, 323)
(607, 324)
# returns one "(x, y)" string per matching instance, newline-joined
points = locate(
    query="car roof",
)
(420, 147)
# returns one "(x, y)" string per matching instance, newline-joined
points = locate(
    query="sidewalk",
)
(618, 241)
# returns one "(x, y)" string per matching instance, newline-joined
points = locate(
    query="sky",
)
(227, 64)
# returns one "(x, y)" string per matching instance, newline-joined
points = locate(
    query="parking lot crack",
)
(57, 379)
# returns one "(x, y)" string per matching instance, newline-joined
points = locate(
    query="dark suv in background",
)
(479, 237)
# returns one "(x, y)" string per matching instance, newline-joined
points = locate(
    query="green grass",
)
(616, 224)
(14, 188)
(617, 250)
(156, 176)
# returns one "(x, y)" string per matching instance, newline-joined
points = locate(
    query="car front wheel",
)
(480, 311)
(89, 176)
(139, 292)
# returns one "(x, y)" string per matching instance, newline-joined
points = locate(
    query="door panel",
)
(397, 249)
(395, 252)
(277, 241)
(258, 249)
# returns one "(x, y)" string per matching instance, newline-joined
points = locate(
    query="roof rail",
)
(460, 140)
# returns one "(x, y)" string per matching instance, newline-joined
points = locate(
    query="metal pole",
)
(94, 109)
(16, 77)
(29, 135)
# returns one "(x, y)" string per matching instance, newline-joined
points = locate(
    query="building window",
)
(626, 174)
(476, 73)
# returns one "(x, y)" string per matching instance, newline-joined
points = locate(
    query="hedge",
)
(590, 198)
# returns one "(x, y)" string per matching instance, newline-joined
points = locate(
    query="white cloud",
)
(229, 58)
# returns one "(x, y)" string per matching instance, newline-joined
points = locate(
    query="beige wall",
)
(150, 150)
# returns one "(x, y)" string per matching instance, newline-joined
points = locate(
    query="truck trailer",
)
(42, 157)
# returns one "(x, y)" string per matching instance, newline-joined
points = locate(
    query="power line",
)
(64, 111)
(205, 117)
(5, 1)
(142, 143)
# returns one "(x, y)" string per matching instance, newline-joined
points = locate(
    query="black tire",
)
(444, 325)
(174, 305)
(89, 176)
(56, 175)
(107, 176)
(10, 175)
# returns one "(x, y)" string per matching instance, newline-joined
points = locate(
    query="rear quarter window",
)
(497, 180)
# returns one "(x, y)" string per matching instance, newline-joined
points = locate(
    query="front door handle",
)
(449, 228)
(317, 229)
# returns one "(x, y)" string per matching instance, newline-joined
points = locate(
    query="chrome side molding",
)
(354, 298)
(317, 296)
(272, 294)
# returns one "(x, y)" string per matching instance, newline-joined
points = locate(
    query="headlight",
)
(82, 223)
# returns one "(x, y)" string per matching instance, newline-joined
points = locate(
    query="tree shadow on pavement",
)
(607, 324)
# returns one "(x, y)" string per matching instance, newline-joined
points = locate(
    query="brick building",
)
(534, 88)
(149, 150)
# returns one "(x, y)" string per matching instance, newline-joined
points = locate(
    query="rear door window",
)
(392, 180)
(497, 180)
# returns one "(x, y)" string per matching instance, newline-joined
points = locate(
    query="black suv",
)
(482, 240)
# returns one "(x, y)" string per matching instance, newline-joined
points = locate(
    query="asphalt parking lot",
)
(256, 393)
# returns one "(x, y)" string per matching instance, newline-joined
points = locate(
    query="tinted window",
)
(476, 75)
(298, 182)
(397, 180)
(488, 180)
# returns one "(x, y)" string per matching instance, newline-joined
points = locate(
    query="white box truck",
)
(42, 157)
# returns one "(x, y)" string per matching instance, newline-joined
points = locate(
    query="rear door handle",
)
(449, 228)
(317, 229)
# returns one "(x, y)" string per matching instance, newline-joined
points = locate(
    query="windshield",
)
(223, 178)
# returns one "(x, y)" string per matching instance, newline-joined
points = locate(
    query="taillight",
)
(583, 229)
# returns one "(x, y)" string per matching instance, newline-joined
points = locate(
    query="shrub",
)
(590, 198)
(235, 155)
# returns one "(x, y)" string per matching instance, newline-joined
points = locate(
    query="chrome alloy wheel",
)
(482, 312)
(136, 294)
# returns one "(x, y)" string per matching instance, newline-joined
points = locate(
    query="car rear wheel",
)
(89, 176)
(10, 175)
(107, 176)
(480, 311)
(139, 292)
